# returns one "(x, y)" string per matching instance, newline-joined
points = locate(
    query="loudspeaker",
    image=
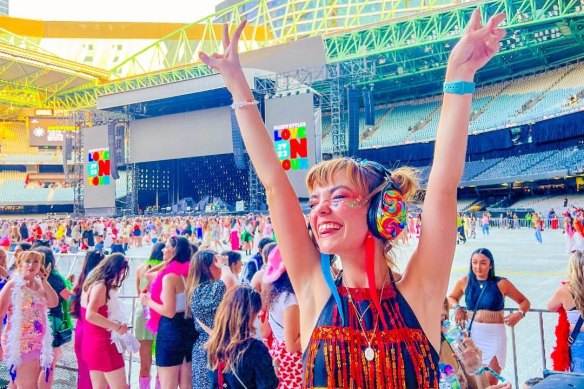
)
(238, 146)
(369, 108)
(353, 111)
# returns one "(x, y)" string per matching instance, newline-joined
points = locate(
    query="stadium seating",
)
(544, 203)
(16, 150)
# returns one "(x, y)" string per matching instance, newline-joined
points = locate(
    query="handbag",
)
(61, 332)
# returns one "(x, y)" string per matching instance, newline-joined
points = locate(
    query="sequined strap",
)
(363, 294)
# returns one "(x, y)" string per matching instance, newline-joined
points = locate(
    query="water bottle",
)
(145, 312)
(454, 336)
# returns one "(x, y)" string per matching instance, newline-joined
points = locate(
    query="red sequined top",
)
(337, 355)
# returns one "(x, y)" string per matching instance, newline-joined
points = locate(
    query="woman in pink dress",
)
(105, 363)
(234, 235)
(27, 338)
(92, 259)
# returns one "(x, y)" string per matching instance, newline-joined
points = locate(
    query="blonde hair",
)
(576, 279)
(234, 327)
(26, 254)
(367, 179)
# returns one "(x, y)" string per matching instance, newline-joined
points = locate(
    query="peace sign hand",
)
(476, 47)
(227, 63)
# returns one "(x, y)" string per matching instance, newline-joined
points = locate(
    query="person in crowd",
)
(234, 235)
(538, 225)
(236, 357)
(167, 304)
(235, 264)
(3, 268)
(460, 237)
(350, 219)
(58, 316)
(137, 233)
(473, 227)
(256, 262)
(90, 262)
(485, 302)
(24, 230)
(26, 339)
(570, 296)
(246, 237)
(209, 278)
(485, 223)
(284, 318)
(143, 334)
(258, 277)
(102, 358)
(568, 232)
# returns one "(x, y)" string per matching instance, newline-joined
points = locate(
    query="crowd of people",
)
(322, 308)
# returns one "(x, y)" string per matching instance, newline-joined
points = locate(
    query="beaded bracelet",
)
(241, 104)
(485, 369)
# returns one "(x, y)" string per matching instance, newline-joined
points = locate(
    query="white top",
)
(282, 302)
(181, 302)
(573, 316)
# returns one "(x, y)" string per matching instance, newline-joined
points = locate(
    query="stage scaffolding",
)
(328, 82)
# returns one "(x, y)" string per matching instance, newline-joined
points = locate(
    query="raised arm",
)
(298, 252)
(429, 268)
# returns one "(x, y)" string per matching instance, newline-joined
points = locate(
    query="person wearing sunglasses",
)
(367, 330)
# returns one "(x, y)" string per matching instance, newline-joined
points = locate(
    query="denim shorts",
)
(577, 354)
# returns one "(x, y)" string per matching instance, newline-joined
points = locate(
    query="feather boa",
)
(560, 355)
(174, 267)
(115, 312)
(12, 357)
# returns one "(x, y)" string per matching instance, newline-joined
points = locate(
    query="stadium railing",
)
(66, 370)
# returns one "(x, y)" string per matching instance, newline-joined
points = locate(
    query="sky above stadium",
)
(175, 11)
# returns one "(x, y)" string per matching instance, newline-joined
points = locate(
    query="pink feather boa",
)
(174, 267)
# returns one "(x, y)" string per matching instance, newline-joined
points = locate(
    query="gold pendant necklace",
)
(369, 352)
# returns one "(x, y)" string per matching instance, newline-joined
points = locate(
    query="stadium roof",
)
(409, 44)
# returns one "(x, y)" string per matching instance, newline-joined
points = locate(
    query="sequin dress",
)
(32, 327)
(204, 304)
(335, 356)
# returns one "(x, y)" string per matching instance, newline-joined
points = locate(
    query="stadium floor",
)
(535, 269)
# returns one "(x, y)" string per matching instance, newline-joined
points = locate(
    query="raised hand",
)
(227, 63)
(44, 272)
(476, 47)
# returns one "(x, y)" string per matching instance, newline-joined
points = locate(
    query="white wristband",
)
(241, 104)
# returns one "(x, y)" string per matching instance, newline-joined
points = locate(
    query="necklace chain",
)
(360, 318)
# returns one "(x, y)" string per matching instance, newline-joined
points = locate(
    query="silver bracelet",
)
(241, 104)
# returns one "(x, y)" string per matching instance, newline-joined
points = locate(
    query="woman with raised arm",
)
(367, 330)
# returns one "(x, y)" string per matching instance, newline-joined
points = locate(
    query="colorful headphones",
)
(387, 215)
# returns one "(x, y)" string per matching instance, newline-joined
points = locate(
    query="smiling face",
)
(30, 263)
(480, 266)
(338, 215)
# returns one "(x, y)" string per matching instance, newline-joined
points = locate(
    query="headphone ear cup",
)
(374, 205)
(391, 214)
